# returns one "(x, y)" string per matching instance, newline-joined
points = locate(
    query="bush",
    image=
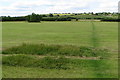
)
(34, 18)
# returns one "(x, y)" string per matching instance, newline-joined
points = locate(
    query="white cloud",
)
(24, 7)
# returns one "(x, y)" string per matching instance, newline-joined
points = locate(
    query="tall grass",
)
(49, 62)
(30, 61)
(65, 50)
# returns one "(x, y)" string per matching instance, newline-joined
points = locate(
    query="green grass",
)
(31, 61)
(66, 50)
(71, 33)
(102, 35)
(94, 38)
(46, 32)
(82, 69)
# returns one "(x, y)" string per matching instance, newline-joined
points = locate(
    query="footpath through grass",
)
(94, 36)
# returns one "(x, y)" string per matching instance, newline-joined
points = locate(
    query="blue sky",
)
(25, 7)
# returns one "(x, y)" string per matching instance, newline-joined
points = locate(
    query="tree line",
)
(57, 17)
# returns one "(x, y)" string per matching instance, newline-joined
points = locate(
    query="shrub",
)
(34, 18)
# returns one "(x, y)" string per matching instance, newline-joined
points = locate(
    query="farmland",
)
(98, 35)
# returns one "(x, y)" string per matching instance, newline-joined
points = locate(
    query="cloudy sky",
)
(25, 7)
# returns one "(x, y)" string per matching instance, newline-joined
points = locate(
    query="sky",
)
(25, 7)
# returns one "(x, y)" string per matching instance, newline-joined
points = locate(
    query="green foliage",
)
(34, 18)
(8, 18)
(67, 50)
(50, 15)
(111, 19)
(56, 18)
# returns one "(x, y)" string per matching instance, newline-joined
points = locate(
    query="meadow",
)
(95, 35)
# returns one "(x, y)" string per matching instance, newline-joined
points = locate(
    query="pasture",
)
(102, 35)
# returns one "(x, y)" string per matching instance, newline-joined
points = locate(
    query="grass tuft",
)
(65, 50)
(30, 61)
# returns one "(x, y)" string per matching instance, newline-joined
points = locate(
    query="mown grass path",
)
(98, 65)
(94, 65)
(94, 36)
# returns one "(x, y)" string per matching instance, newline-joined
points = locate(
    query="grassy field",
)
(90, 34)
(89, 70)
(71, 33)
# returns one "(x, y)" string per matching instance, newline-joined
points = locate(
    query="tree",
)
(50, 15)
(44, 15)
(34, 18)
(58, 15)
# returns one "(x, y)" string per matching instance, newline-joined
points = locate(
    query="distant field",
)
(93, 16)
(62, 14)
(91, 34)
(86, 16)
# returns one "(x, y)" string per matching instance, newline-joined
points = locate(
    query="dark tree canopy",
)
(50, 15)
(34, 18)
